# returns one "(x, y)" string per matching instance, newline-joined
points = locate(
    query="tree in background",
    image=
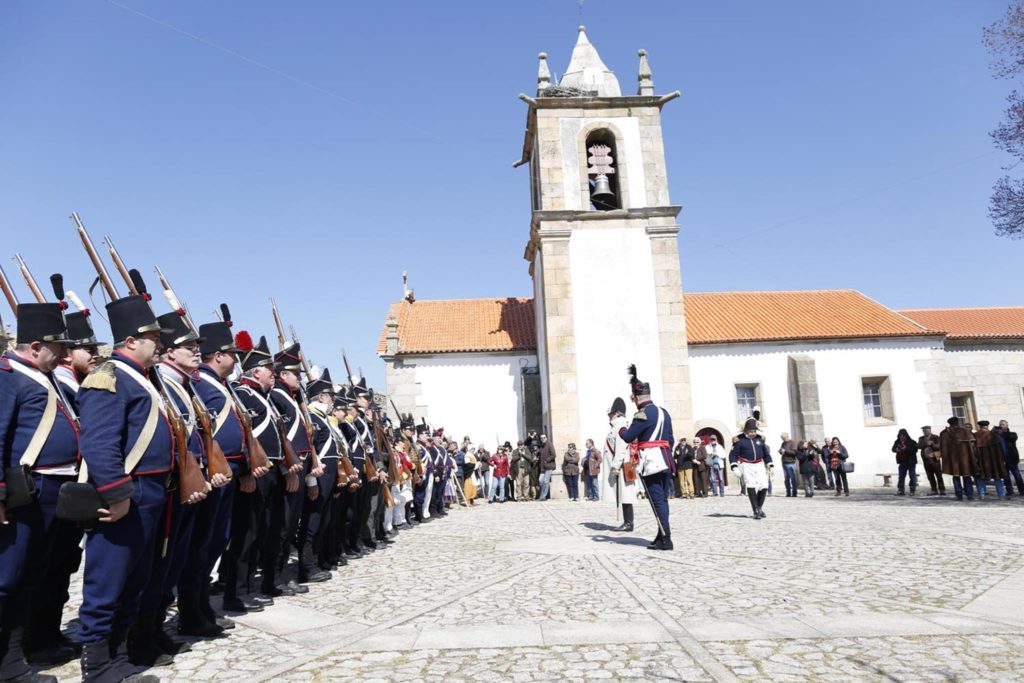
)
(1005, 41)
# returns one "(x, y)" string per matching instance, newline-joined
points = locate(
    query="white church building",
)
(817, 363)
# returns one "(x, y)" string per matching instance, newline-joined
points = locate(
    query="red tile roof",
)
(972, 323)
(720, 317)
(463, 325)
(481, 325)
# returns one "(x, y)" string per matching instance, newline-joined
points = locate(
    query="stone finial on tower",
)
(543, 73)
(646, 84)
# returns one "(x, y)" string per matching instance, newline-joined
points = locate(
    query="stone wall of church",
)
(991, 372)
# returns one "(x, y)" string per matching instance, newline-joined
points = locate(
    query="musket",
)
(190, 476)
(282, 341)
(5, 285)
(90, 250)
(29, 280)
(119, 264)
(303, 408)
(216, 462)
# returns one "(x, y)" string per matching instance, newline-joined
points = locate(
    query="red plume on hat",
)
(244, 341)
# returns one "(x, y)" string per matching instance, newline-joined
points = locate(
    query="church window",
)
(602, 173)
(963, 408)
(877, 401)
(747, 398)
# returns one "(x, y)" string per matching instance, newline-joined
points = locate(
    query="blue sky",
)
(313, 151)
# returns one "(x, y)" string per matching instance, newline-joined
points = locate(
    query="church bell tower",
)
(603, 248)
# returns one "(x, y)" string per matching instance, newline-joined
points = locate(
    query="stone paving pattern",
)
(866, 588)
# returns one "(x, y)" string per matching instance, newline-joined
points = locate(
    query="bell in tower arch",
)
(603, 196)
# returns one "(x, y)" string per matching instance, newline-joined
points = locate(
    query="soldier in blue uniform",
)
(419, 495)
(228, 527)
(441, 473)
(749, 458)
(319, 490)
(286, 397)
(253, 391)
(650, 437)
(148, 644)
(372, 529)
(353, 430)
(127, 448)
(38, 447)
(62, 554)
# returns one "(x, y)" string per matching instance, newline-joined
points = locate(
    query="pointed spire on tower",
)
(543, 73)
(646, 84)
(587, 72)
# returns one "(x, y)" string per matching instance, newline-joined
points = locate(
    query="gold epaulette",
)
(102, 377)
(640, 415)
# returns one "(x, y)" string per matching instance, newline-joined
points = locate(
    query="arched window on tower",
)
(602, 178)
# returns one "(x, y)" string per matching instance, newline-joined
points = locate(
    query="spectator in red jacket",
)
(499, 473)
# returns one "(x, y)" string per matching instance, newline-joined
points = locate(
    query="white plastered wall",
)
(615, 320)
(716, 369)
(475, 394)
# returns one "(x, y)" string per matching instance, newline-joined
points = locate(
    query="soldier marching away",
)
(650, 441)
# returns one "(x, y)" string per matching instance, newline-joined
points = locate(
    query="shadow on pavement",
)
(598, 526)
(621, 540)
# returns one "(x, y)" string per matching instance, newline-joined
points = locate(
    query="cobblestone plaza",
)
(866, 588)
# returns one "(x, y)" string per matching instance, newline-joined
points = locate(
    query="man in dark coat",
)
(958, 457)
(990, 460)
(547, 459)
(1008, 443)
(929, 447)
(684, 468)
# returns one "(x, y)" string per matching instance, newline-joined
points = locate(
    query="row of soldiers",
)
(186, 448)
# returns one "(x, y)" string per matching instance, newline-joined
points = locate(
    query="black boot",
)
(656, 543)
(752, 494)
(163, 641)
(97, 666)
(191, 621)
(627, 518)
(142, 647)
(761, 495)
(309, 572)
(43, 641)
(666, 543)
(13, 667)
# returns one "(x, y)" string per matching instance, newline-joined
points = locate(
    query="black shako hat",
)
(423, 428)
(983, 423)
(343, 399)
(406, 421)
(132, 315)
(359, 388)
(320, 384)
(750, 424)
(638, 387)
(175, 331)
(80, 329)
(618, 406)
(253, 355)
(288, 358)
(42, 322)
(217, 336)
